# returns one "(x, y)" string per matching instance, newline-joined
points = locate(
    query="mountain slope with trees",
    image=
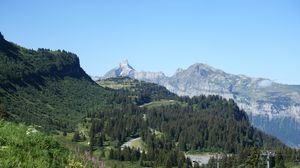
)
(49, 89)
(271, 107)
(46, 88)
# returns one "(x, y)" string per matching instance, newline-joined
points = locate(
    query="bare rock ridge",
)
(271, 107)
(124, 69)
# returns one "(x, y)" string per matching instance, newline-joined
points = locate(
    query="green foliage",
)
(140, 92)
(126, 154)
(200, 123)
(76, 137)
(207, 123)
(279, 160)
(49, 89)
(46, 88)
(3, 114)
(254, 158)
(22, 146)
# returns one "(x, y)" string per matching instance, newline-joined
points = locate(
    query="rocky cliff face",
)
(272, 107)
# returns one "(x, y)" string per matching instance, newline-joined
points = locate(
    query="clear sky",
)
(257, 38)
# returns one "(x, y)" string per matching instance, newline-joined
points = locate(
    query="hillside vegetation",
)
(49, 90)
(46, 88)
(23, 146)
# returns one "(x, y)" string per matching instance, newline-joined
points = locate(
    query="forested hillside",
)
(46, 88)
(49, 90)
(169, 126)
(208, 122)
(141, 92)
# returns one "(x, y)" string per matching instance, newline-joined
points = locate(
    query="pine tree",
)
(279, 161)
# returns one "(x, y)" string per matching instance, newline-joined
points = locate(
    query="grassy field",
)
(114, 85)
(162, 102)
(139, 144)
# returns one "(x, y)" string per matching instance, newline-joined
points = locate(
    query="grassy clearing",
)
(139, 144)
(114, 85)
(162, 102)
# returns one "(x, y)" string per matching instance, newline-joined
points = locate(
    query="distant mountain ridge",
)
(272, 107)
(125, 70)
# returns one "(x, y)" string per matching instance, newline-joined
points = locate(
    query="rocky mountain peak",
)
(125, 69)
(205, 67)
(125, 64)
(201, 70)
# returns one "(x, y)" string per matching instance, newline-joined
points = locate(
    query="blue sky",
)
(255, 38)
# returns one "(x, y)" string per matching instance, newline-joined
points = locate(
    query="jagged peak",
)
(125, 65)
(125, 69)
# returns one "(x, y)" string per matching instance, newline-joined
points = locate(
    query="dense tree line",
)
(117, 123)
(125, 154)
(200, 123)
(159, 153)
(207, 122)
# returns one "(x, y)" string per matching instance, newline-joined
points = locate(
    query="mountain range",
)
(271, 107)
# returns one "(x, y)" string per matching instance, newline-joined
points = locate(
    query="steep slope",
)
(44, 87)
(272, 107)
